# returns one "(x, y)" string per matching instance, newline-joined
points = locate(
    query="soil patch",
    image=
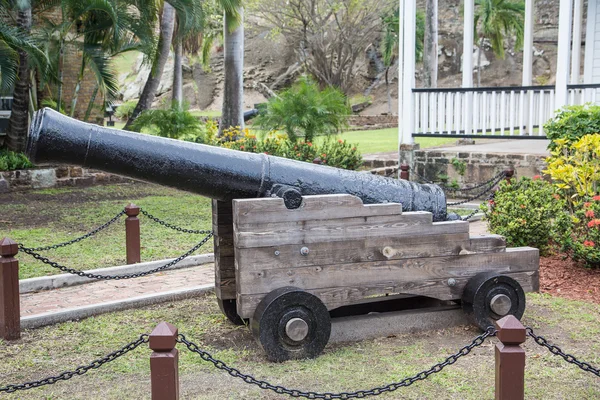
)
(569, 279)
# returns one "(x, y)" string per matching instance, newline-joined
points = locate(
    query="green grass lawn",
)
(45, 217)
(575, 326)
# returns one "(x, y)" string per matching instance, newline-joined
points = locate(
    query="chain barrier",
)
(498, 177)
(171, 226)
(79, 370)
(73, 271)
(478, 195)
(557, 351)
(478, 341)
(79, 239)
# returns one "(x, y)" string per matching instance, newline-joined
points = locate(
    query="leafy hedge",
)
(9, 160)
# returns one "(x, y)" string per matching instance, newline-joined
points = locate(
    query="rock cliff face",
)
(271, 62)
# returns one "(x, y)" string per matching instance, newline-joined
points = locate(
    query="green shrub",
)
(524, 212)
(572, 123)
(9, 160)
(585, 233)
(175, 123)
(335, 153)
(305, 111)
(575, 168)
(579, 232)
(125, 110)
(341, 154)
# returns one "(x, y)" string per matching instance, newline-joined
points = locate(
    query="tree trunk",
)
(90, 106)
(19, 116)
(59, 85)
(387, 89)
(430, 50)
(233, 92)
(479, 62)
(178, 75)
(77, 88)
(167, 25)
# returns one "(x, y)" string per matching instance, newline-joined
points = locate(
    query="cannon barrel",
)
(211, 171)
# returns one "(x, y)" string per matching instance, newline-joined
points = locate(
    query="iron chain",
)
(542, 341)
(499, 176)
(478, 341)
(81, 370)
(73, 271)
(478, 195)
(79, 239)
(171, 226)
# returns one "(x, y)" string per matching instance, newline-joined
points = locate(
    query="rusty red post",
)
(510, 173)
(132, 234)
(510, 359)
(10, 309)
(405, 172)
(164, 362)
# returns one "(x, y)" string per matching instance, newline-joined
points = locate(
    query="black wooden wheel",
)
(489, 296)
(291, 324)
(229, 309)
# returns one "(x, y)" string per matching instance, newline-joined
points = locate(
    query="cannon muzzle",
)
(211, 171)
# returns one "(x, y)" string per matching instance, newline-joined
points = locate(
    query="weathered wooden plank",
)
(487, 244)
(224, 250)
(273, 209)
(387, 272)
(335, 297)
(350, 251)
(414, 217)
(346, 229)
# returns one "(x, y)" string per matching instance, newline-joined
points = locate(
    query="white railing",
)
(499, 111)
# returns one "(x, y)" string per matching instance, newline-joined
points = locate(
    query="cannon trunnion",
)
(296, 243)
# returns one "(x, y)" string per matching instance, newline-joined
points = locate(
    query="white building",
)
(519, 112)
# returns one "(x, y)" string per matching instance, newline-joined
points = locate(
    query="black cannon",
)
(214, 172)
(297, 243)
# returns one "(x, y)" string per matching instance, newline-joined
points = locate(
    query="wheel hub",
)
(296, 329)
(501, 304)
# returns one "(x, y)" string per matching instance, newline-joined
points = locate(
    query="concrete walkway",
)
(97, 293)
(109, 291)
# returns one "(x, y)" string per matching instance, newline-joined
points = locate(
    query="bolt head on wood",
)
(163, 337)
(8, 247)
(510, 330)
(132, 210)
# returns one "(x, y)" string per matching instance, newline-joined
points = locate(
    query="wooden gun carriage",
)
(296, 241)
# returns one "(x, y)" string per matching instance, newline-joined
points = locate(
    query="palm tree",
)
(233, 90)
(18, 53)
(495, 20)
(187, 39)
(167, 26)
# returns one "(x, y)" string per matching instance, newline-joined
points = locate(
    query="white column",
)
(401, 71)
(409, 25)
(467, 61)
(528, 44)
(467, 65)
(590, 40)
(576, 53)
(564, 45)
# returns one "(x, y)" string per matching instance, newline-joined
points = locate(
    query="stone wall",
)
(368, 122)
(71, 68)
(63, 176)
(479, 167)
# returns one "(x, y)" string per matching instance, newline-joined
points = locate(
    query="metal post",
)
(132, 234)
(164, 362)
(10, 311)
(405, 172)
(510, 359)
